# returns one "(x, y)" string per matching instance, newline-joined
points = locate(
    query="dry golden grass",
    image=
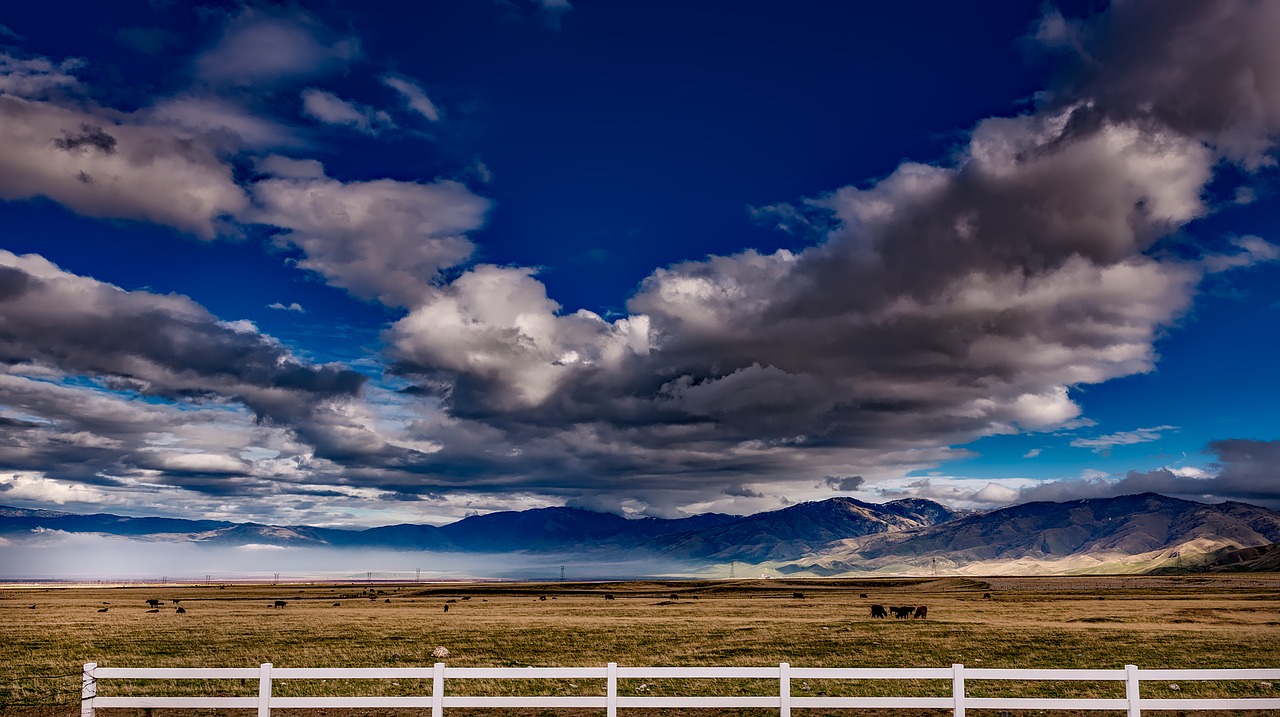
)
(1104, 622)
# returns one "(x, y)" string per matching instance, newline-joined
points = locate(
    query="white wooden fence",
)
(264, 702)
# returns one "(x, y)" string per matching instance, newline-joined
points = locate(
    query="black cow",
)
(902, 613)
(153, 602)
(102, 609)
(608, 596)
(863, 595)
(446, 608)
(181, 611)
(279, 603)
(986, 596)
(921, 612)
(878, 611)
(798, 596)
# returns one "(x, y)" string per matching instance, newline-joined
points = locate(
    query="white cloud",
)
(379, 239)
(37, 76)
(222, 122)
(1122, 438)
(294, 306)
(262, 47)
(105, 164)
(328, 108)
(1033, 453)
(414, 96)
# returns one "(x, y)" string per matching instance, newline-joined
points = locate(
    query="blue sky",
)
(329, 263)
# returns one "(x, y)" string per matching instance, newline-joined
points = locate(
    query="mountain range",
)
(1134, 533)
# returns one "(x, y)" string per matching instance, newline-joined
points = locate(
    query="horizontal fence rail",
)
(958, 701)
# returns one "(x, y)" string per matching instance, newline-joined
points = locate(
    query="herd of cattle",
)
(903, 612)
(900, 613)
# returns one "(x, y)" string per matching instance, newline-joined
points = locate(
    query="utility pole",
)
(934, 563)
(732, 564)
(418, 575)
(561, 573)
(276, 579)
(369, 576)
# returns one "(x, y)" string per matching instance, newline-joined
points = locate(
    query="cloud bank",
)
(945, 302)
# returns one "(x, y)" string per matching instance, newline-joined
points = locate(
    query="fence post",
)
(437, 690)
(1131, 690)
(88, 689)
(264, 690)
(957, 688)
(784, 690)
(611, 691)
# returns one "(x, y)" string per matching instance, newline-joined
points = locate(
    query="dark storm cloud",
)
(1205, 69)
(1245, 470)
(160, 345)
(172, 348)
(90, 136)
(850, 483)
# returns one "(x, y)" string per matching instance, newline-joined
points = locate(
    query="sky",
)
(358, 264)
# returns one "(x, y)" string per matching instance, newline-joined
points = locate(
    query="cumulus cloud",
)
(414, 96)
(380, 239)
(328, 108)
(294, 306)
(1207, 70)
(105, 164)
(942, 303)
(169, 347)
(162, 344)
(263, 47)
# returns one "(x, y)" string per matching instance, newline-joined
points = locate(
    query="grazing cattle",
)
(337, 604)
(153, 602)
(102, 609)
(798, 596)
(986, 596)
(902, 613)
(175, 601)
(446, 608)
(387, 600)
(279, 603)
(154, 609)
(31, 607)
(863, 595)
(451, 600)
(608, 596)
(674, 596)
(466, 597)
(181, 611)
(542, 597)
(921, 612)
(878, 611)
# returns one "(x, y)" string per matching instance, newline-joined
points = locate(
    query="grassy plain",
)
(1051, 622)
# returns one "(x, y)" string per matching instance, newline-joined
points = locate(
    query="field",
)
(1070, 622)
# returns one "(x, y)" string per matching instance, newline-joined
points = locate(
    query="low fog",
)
(54, 555)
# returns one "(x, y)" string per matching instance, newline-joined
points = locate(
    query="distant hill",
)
(798, 530)
(1139, 532)
(1134, 533)
(1256, 559)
